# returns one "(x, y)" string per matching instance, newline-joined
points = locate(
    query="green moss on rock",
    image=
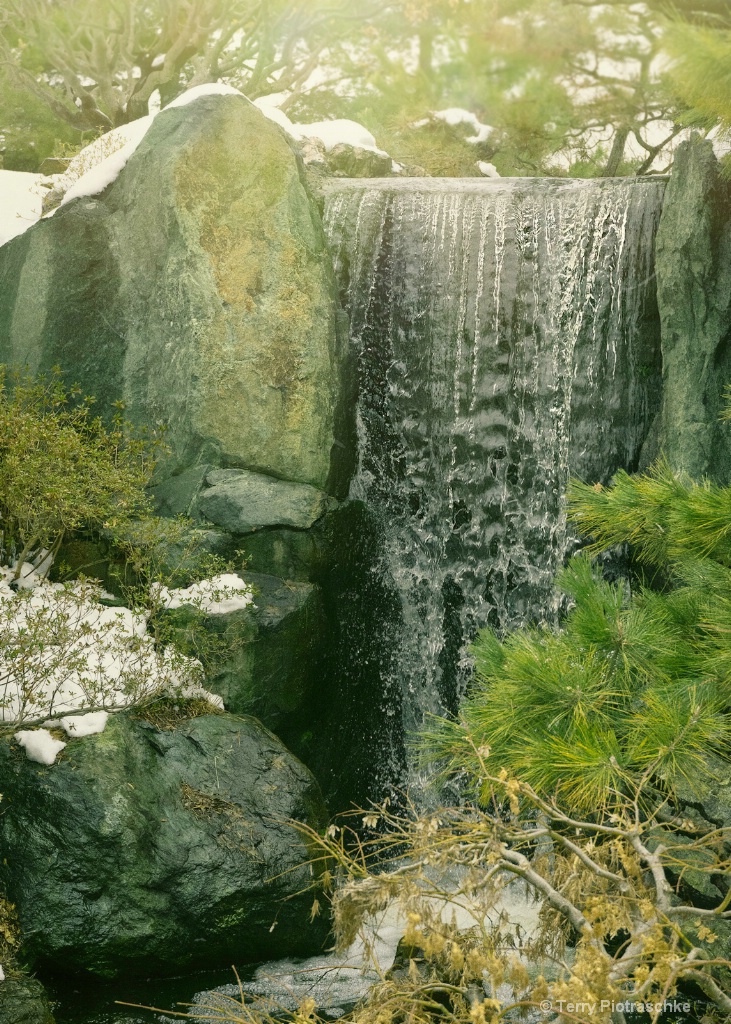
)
(197, 289)
(115, 872)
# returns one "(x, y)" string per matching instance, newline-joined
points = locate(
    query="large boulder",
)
(160, 844)
(693, 265)
(241, 502)
(197, 289)
(23, 1000)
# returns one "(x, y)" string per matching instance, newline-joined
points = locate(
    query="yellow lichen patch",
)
(234, 830)
(168, 712)
(9, 934)
(265, 378)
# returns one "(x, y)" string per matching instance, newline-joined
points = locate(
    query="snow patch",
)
(341, 131)
(209, 89)
(217, 596)
(39, 745)
(120, 144)
(337, 132)
(489, 170)
(454, 116)
(269, 106)
(64, 652)
(21, 199)
(84, 725)
(100, 163)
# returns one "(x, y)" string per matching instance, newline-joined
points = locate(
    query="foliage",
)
(9, 934)
(630, 680)
(570, 86)
(610, 928)
(62, 469)
(28, 130)
(62, 647)
(96, 64)
(701, 74)
(665, 516)
(62, 650)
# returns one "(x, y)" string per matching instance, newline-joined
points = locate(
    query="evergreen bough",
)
(635, 687)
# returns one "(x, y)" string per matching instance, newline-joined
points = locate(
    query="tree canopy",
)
(566, 86)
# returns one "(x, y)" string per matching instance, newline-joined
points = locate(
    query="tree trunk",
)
(617, 153)
(426, 52)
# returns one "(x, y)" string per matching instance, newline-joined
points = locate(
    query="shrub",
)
(62, 647)
(62, 470)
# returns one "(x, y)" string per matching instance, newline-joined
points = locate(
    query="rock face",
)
(24, 1001)
(144, 850)
(354, 162)
(693, 265)
(271, 663)
(197, 289)
(240, 502)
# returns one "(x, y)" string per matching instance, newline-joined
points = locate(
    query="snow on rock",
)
(489, 170)
(458, 115)
(30, 574)
(210, 89)
(339, 132)
(269, 106)
(92, 170)
(84, 725)
(21, 199)
(217, 596)
(99, 164)
(63, 651)
(39, 745)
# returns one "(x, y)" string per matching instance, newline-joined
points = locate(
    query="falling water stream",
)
(506, 336)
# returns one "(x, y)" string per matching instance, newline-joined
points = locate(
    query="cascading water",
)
(506, 336)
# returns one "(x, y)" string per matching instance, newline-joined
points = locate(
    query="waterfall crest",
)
(506, 337)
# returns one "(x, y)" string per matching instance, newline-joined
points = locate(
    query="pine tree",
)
(636, 682)
(701, 73)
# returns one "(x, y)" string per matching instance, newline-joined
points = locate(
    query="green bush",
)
(62, 469)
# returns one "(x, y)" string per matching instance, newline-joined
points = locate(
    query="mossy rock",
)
(693, 265)
(23, 1000)
(146, 850)
(197, 289)
(267, 660)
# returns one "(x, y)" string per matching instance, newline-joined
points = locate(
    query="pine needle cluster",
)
(635, 685)
(701, 72)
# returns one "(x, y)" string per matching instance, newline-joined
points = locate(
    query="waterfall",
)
(506, 337)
